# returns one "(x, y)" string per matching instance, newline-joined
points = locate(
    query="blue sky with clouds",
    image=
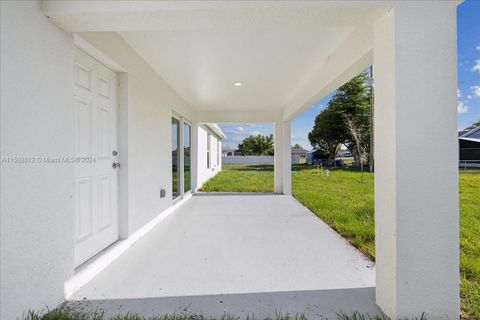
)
(468, 20)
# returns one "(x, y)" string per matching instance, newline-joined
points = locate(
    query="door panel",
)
(83, 76)
(104, 138)
(96, 209)
(103, 86)
(83, 132)
(105, 202)
(84, 207)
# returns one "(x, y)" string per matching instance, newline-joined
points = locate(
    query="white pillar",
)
(416, 158)
(278, 157)
(287, 157)
(283, 160)
(194, 157)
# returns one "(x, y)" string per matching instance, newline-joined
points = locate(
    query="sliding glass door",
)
(181, 156)
(187, 146)
(175, 158)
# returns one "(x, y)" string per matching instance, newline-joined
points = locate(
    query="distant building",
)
(342, 153)
(299, 151)
(227, 152)
(469, 147)
(309, 157)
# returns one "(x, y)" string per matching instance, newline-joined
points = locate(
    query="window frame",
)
(209, 151)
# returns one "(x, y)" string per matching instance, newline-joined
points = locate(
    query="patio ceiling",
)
(202, 65)
(287, 55)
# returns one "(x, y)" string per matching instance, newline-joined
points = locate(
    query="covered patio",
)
(239, 254)
(206, 62)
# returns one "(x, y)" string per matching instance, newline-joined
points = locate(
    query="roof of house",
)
(472, 135)
(298, 150)
(216, 129)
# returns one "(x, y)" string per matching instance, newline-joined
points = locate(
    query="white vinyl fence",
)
(254, 159)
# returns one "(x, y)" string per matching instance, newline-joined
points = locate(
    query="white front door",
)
(96, 212)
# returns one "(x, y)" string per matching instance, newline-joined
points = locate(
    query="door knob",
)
(115, 165)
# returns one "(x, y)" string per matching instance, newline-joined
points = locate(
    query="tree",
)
(359, 144)
(258, 145)
(327, 133)
(351, 101)
(297, 146)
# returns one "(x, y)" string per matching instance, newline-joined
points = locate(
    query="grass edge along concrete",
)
(69, 314)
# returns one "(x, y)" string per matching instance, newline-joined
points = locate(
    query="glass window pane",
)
(208, 150)
(175, 158)
(186, 157)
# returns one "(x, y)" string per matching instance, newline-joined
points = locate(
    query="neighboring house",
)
(310, 157)
(469, 147)
(299, 155)
(94, 94)
(299, 152)
(344, 153)
(231, 153)
(228, 153)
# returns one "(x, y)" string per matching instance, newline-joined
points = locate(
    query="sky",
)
(468, 35)
(468, 93)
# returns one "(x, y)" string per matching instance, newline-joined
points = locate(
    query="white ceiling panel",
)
(203, 65)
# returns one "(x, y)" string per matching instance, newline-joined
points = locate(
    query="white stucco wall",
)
(147, 119)
(37, 216)
(37, 222)
(204, 173)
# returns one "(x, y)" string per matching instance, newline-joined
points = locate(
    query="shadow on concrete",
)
(315, 304)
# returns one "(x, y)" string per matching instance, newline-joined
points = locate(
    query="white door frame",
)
(86, 47)
(182, 120)
(96, 186)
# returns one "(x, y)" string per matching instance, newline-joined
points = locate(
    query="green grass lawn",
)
(241, 178)
(346, 204)
(470, 243)
(65, 314)
(341, 200)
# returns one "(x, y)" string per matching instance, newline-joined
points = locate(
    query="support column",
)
(287, 157)
(283, 158)
(278, 157)
(194, 157)
(416, 154)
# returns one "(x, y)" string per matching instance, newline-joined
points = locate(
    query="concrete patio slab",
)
(314, 304)
(237, 246)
